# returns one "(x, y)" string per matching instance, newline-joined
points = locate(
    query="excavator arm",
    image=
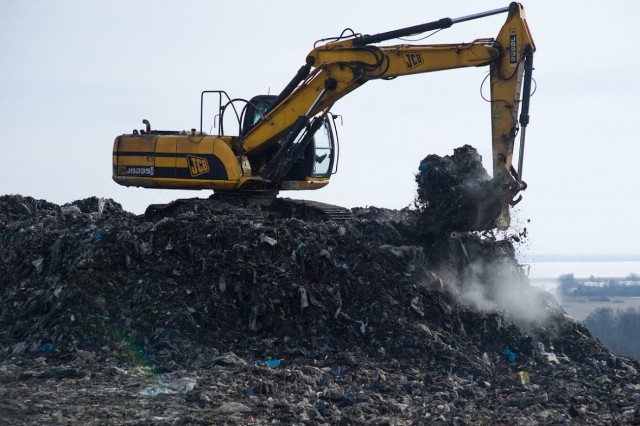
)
(334, 69)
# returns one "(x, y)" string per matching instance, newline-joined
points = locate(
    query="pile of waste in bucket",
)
(209, 316)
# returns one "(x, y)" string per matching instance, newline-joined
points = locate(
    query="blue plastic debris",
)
(98, 235)
(45, 347)
(510, 355)
(423, 169)
(272, 363)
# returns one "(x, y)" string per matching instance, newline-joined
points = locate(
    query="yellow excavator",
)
(289, 141)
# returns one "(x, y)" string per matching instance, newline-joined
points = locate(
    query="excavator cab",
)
(318, 158)
(255, 109)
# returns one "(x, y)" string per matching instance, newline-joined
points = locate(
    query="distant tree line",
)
(619, 331)
(569, 286)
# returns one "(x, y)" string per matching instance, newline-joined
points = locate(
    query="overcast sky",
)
(75, 74)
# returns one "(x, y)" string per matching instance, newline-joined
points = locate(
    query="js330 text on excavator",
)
(289, 141)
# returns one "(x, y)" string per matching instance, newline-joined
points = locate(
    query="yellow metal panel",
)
(506, 84)
(136, 144)
(135, 161)
(300, 185)
(195, 144)
(172, 183)
(232, 164)
(166, 144)
(165, 162)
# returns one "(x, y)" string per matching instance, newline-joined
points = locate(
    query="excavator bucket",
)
(455, 193)
(486, 209)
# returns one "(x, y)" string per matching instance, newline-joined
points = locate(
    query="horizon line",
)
(594, 257)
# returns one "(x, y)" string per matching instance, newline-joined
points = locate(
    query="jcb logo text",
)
(197, 165)
(412, 60)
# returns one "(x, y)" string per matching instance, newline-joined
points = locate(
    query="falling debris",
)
(203, 314)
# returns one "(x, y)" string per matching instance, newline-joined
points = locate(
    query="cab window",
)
(323, 160)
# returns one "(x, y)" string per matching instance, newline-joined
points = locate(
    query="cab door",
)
(324, 146)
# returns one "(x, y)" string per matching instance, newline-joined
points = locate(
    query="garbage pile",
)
(211, 315)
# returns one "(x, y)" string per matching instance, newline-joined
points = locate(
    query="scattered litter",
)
(45, 347)
(510, 355)
(524, 377)
(38, 264)
(169, 387)
(268, 240)
(232, 408)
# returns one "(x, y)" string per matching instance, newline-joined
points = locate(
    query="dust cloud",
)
(500, 285)
(481, 269)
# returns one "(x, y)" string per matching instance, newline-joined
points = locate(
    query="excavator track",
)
(313, 210)
(254, 208)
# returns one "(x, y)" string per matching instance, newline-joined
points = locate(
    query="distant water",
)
(545, 274)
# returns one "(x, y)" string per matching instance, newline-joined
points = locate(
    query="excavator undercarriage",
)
(254, 208)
